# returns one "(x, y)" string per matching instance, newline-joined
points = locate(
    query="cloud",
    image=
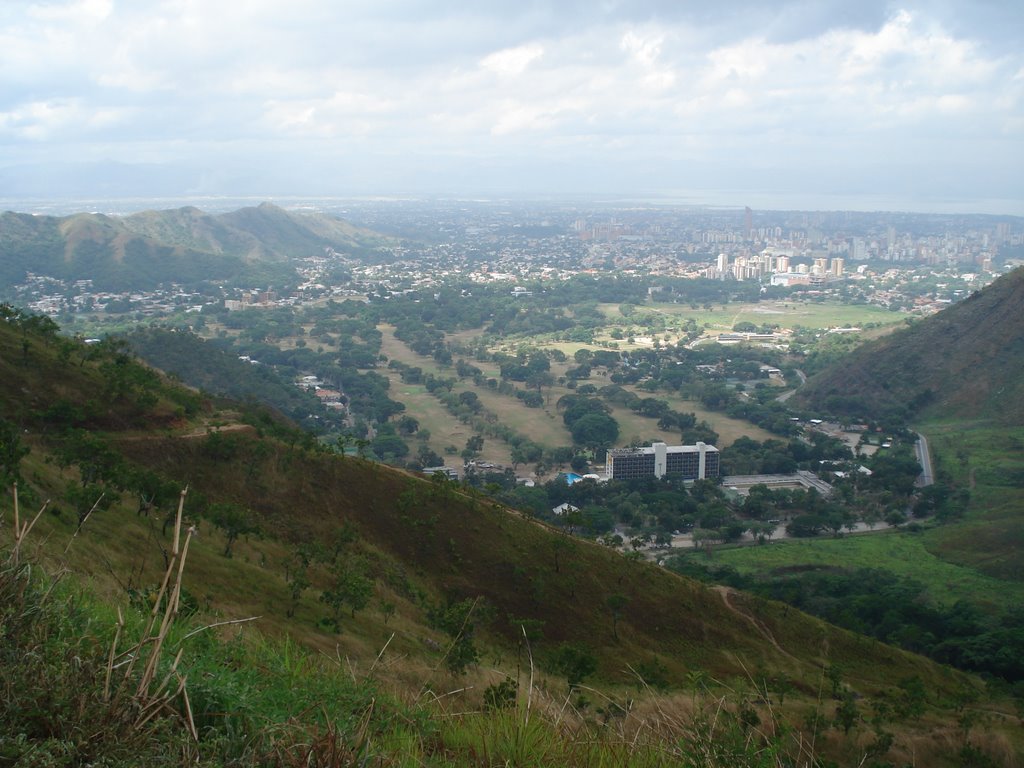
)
(512, 61)
(647, 89)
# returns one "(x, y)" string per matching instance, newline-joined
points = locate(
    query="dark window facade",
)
(633, 466)
(640, 463)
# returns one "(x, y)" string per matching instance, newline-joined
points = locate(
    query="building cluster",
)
(778, 267)
(871, 256)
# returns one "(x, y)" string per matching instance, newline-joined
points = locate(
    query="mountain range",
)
(184, 245)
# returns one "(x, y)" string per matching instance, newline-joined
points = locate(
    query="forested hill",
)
(965, 360)
(184, 245)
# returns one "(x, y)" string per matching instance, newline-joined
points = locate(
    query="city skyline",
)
(811, 105)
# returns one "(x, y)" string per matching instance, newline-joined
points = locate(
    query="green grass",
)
(256, 701)
(787, 314)
(988, 460)
(901, 553)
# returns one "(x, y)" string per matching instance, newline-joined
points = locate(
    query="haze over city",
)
(812, 105)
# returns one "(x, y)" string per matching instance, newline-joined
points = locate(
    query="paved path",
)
(786, 395)
(924, 458)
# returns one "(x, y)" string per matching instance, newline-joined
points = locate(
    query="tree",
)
(595, 430)
(426, 457)
(575, 661)
(706, 538)
(762, 532)
(470, 400)
(407, 425)
(847, 713)
(87, 498)
(234, 520)
(526, 453)
(11, 452)
(474, 444)
(349, 587)
(455, 619)
(616, 603)
(803, 526)
(389, 446)
(297, 576)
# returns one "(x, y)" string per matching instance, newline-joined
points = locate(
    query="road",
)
(786, 395)
(924, 458)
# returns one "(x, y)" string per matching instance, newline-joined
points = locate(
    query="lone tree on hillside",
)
(11, 452)
(350, 587)
(616, 603)
(234, 520)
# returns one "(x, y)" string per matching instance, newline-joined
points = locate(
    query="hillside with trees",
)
(966, 360)
(552, 647)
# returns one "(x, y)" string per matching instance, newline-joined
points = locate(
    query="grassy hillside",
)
(986, 459)
(184, 246)
(964, 360)
(427, 571)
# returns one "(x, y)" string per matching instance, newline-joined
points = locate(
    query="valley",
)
(314, 520)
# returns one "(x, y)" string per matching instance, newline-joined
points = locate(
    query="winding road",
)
(786, 395)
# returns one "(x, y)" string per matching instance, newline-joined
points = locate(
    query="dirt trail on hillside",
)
(759, 625)
(199, 432)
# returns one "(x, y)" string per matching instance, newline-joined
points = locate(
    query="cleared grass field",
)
(542, 427)
(901, 553)
(988, 460)
(633, 425)
(728, 429)
(445, 431)
(786, 314)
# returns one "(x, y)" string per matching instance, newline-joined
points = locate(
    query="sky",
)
(816, 104)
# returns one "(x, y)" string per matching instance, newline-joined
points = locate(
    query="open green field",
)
(542, 427)
(901, 553)
(988, 460)
(978, 558)
(786, 314)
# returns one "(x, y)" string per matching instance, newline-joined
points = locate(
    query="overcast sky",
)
(908, 105)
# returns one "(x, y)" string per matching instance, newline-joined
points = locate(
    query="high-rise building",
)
(858, 249)
(748, 222)
(691, 462)
(837, 267)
